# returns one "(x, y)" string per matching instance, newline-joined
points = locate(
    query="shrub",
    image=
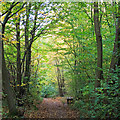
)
(100, 103)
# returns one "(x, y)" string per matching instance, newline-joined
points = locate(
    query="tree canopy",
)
(66, 49)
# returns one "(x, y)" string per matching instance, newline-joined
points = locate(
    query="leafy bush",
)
(100, 103)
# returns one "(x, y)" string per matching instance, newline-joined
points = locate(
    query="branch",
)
(10, 8)
(12, 44)
(17, 10)
(88, 16)
(34, 26)
(7, 16)
(69, 64)
(106, 17)
(70, 47)
(31, 41)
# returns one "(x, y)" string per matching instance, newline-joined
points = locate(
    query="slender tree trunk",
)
(99, 71)
(118, 30)
(18, 55)
(29, 43)
(0, 75)
(28, 54)
(115, 61)
(63, 82)
(59, 79)
(37, 69)
(76, 76)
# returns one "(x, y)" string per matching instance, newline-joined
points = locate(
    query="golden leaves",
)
(18, 85)
(42, 12)
(8, 38)
(14, 42)
(30, 83)
(2, 18)
(21, 11)
(4, 39)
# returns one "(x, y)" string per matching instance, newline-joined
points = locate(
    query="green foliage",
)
(100, 103)
(70, 38)
(48, 91)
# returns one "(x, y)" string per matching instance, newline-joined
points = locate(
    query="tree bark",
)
(6, 81)
(99, 71)
(28, 52)
(18, 55)
(115, 61)
(118, 30)
(29, 42)
(5, 73)
(59, 79)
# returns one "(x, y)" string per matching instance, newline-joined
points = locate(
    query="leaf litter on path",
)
(52, 108)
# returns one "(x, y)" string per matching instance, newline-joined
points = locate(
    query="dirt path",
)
(52, 108)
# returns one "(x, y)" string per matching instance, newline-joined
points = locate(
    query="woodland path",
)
(52, 108)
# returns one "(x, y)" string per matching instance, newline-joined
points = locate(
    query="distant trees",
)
(60, 78)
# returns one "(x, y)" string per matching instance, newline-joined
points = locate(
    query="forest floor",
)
(52, 108)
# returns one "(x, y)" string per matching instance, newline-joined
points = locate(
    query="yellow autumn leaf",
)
(42, 12)
(52, 80)
(14, 42)
(2, 18)
(17, 16)
(4, 39)
(30, 82)
(22, 10)
(23, 84)
(9, 36)
(46, 14)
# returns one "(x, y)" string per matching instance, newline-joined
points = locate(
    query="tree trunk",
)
(115, 61)
(28, 43)
(18, 55)
(28, 52)
(38, 60)
(59, 79)
(118, 30)
(1, 76)
(99, 71)
(5, 73)
(6, 81)
(63, 82)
